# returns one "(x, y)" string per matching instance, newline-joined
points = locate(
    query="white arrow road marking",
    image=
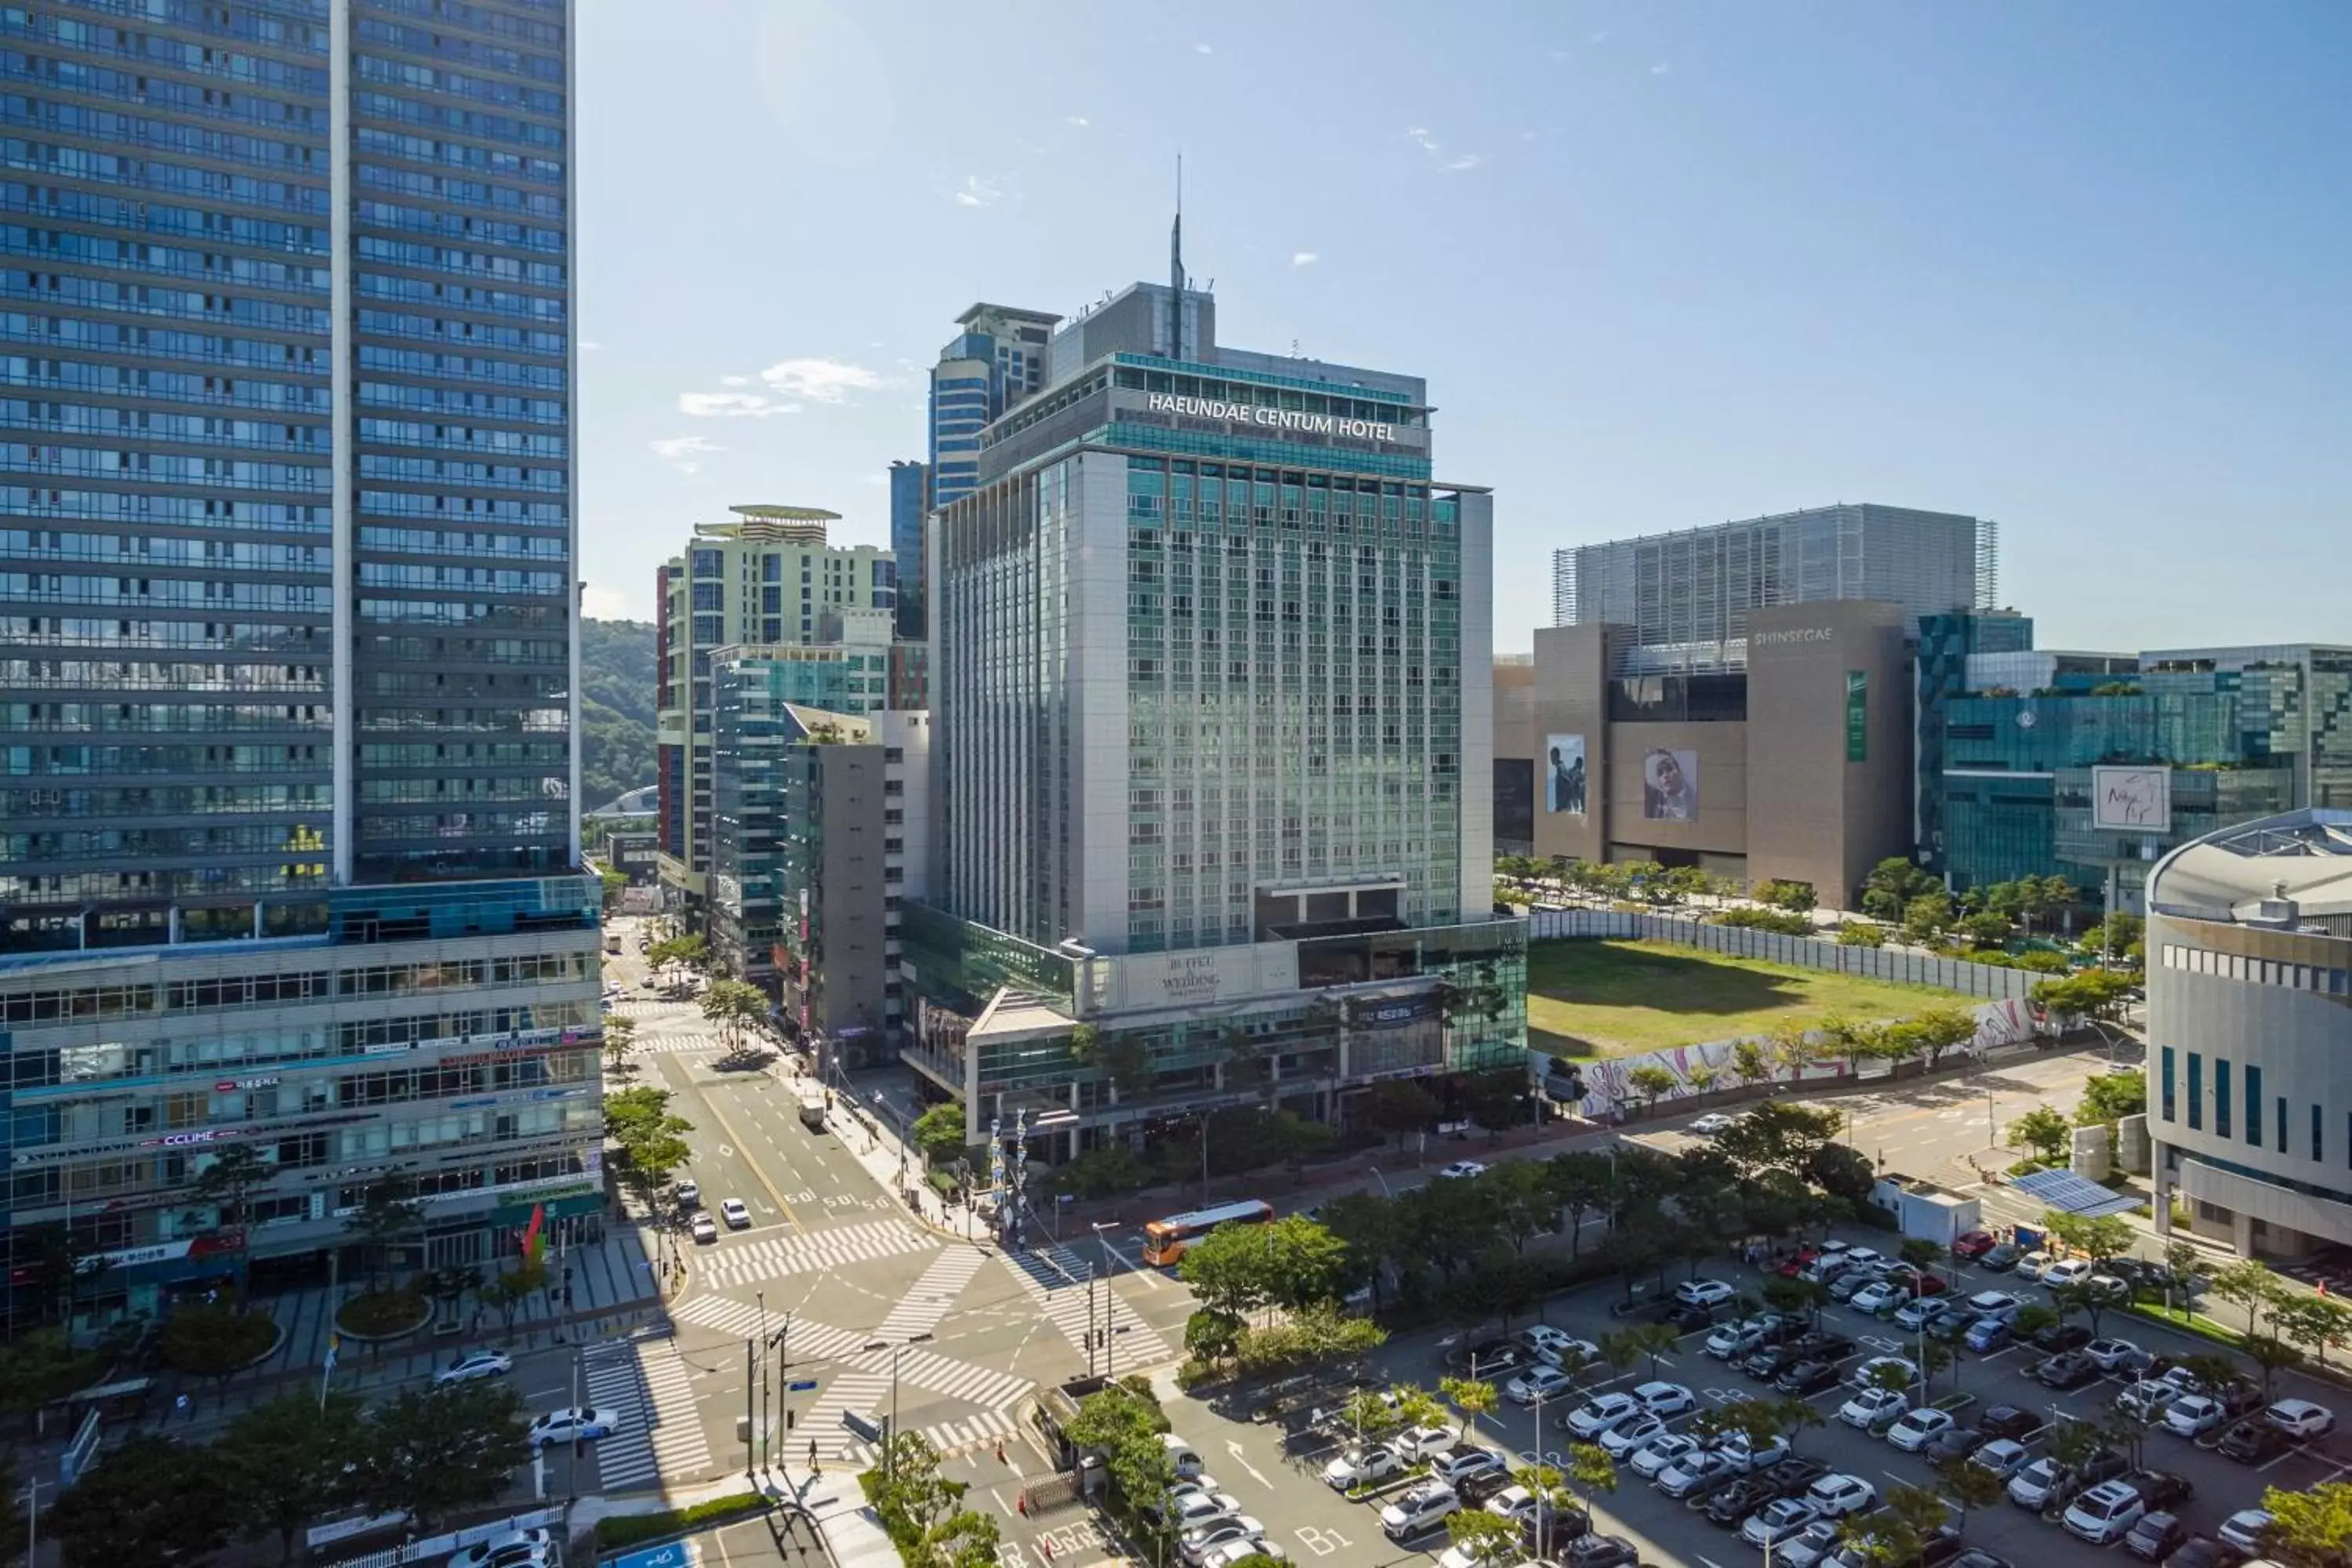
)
(1235, 1450)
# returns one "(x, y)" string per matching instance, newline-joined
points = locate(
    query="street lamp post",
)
(889, 1456)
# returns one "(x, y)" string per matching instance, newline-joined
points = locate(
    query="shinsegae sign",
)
(1278, 418)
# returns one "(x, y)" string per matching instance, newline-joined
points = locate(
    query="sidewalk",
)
(874, 1144)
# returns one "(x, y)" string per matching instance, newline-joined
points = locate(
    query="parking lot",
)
(1274, 1470)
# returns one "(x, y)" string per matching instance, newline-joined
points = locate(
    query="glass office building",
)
(2236, 735)
(287, 540)
(1209, 668)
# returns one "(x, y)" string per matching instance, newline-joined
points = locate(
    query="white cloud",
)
(1467, 160)
(590, 348)
(734, 380)
(1077, 120)
(1304, 259)
(603, 603)
(685, 453)
(820, 380)
(1599, 39)
(732, 405)
(1662, 68)
(1203, 49)
(979, 192)
(1421, 138)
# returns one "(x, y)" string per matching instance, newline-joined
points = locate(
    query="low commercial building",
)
(1788, 757)
(2249, 1024)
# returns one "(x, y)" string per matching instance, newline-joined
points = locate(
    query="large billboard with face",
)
(1564, 775)
(1669, 785)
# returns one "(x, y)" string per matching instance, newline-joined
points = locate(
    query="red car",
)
(1790, 1267)
(1975, 1244)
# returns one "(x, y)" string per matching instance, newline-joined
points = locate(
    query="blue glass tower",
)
(910, 504)
(287, 567)
(998, 357)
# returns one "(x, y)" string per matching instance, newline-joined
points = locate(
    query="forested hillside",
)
(616, 708)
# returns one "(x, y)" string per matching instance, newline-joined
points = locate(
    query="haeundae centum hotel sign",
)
(1283, 418)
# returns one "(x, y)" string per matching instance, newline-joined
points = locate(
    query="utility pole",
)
(750, 1360)
(764, 1381)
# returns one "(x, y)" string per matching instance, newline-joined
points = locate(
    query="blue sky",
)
(2080, 268)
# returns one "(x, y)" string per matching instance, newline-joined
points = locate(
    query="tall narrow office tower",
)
(289, 770)
(1210, 665)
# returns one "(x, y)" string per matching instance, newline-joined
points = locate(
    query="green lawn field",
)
(1588, 998)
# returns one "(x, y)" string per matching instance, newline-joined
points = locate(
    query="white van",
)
(1188, 1463)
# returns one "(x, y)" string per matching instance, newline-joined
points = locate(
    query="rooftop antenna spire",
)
(1176, 270)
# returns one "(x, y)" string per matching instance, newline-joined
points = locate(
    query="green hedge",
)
(633, 1528)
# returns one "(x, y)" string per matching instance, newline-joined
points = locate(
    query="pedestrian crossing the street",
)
(929, 1370)
(808, 1342)
(928, 1301)
(1055, 1279)
(855, 1392)
(656, 1433)
(738, 1263)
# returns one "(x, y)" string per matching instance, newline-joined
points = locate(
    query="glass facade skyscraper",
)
(288, 556)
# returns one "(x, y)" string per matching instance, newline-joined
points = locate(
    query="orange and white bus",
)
(1164, 1240)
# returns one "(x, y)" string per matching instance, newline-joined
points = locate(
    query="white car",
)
(1995, 1303)
(1419, 1511)
(1744, 1455)
(2110, 1356)
(578, 1422)
(2301, 1418)
(2244, 1529)
(1917, 1428)
(1538, 1383)
(1417, 1443)
(1363, 1467)
(1865, 1257)
(1600, 1414)
(1810, 1547)
(735, 1214)
(1462, 1168)
(479, 1363)
(1514, 1502)
(705, 1228)
(1195, 1544)
(1836, 1496)
(2071, 1272)
(1703, 1292)
(2147, 1399)
(1666, 1398)
(1651, 1459)
(2194, 1415)
(1698, 1468)
(1736, 1338)
(2034, 1265)
(1918, 1314)
(689, 1194)
(1865, 1375)
(1228, 1553)
(1192, 1512)
(1777, 1520)
(1880, 1299)
(2103, 1512)
(508, 1549)
(1714, 1123)
(1620, 1440)
(1565, 1350)
(1462, 1464)
(1875, 1409)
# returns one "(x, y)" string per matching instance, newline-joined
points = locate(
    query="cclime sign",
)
(1279, 418)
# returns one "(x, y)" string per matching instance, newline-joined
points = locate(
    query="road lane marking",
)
(727, 1126)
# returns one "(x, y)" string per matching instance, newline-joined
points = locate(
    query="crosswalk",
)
(664, 1041)
(944, 1374)
(1133, 1345)
(954, 1439)
(746, 1262)
(928, 1301)
(657, 1433)
(808, 1342)
(850, 1391)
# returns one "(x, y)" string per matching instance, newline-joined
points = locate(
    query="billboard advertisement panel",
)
(1669, 785)
(2132, 799)
(1564, 788)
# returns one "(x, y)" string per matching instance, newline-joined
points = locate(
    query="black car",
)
(1682, 1317)
(2155, 1536)
(1489, 1357)
(1771, 1360)
(2162, 1493)
(1559, 1526)
(1807, 1377)
(1938, 1553)
(2251, 1442)
(1602, 1552)
(1954, 1444)
(2104, 1466)
(2068, 1369)
(2200, 1551)
(1474, 1490)
(1785, 1330)
(1735, 1502)
(1824, 1346)
(1978, 1557)
(2006, 1421)
(2062, 1337)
